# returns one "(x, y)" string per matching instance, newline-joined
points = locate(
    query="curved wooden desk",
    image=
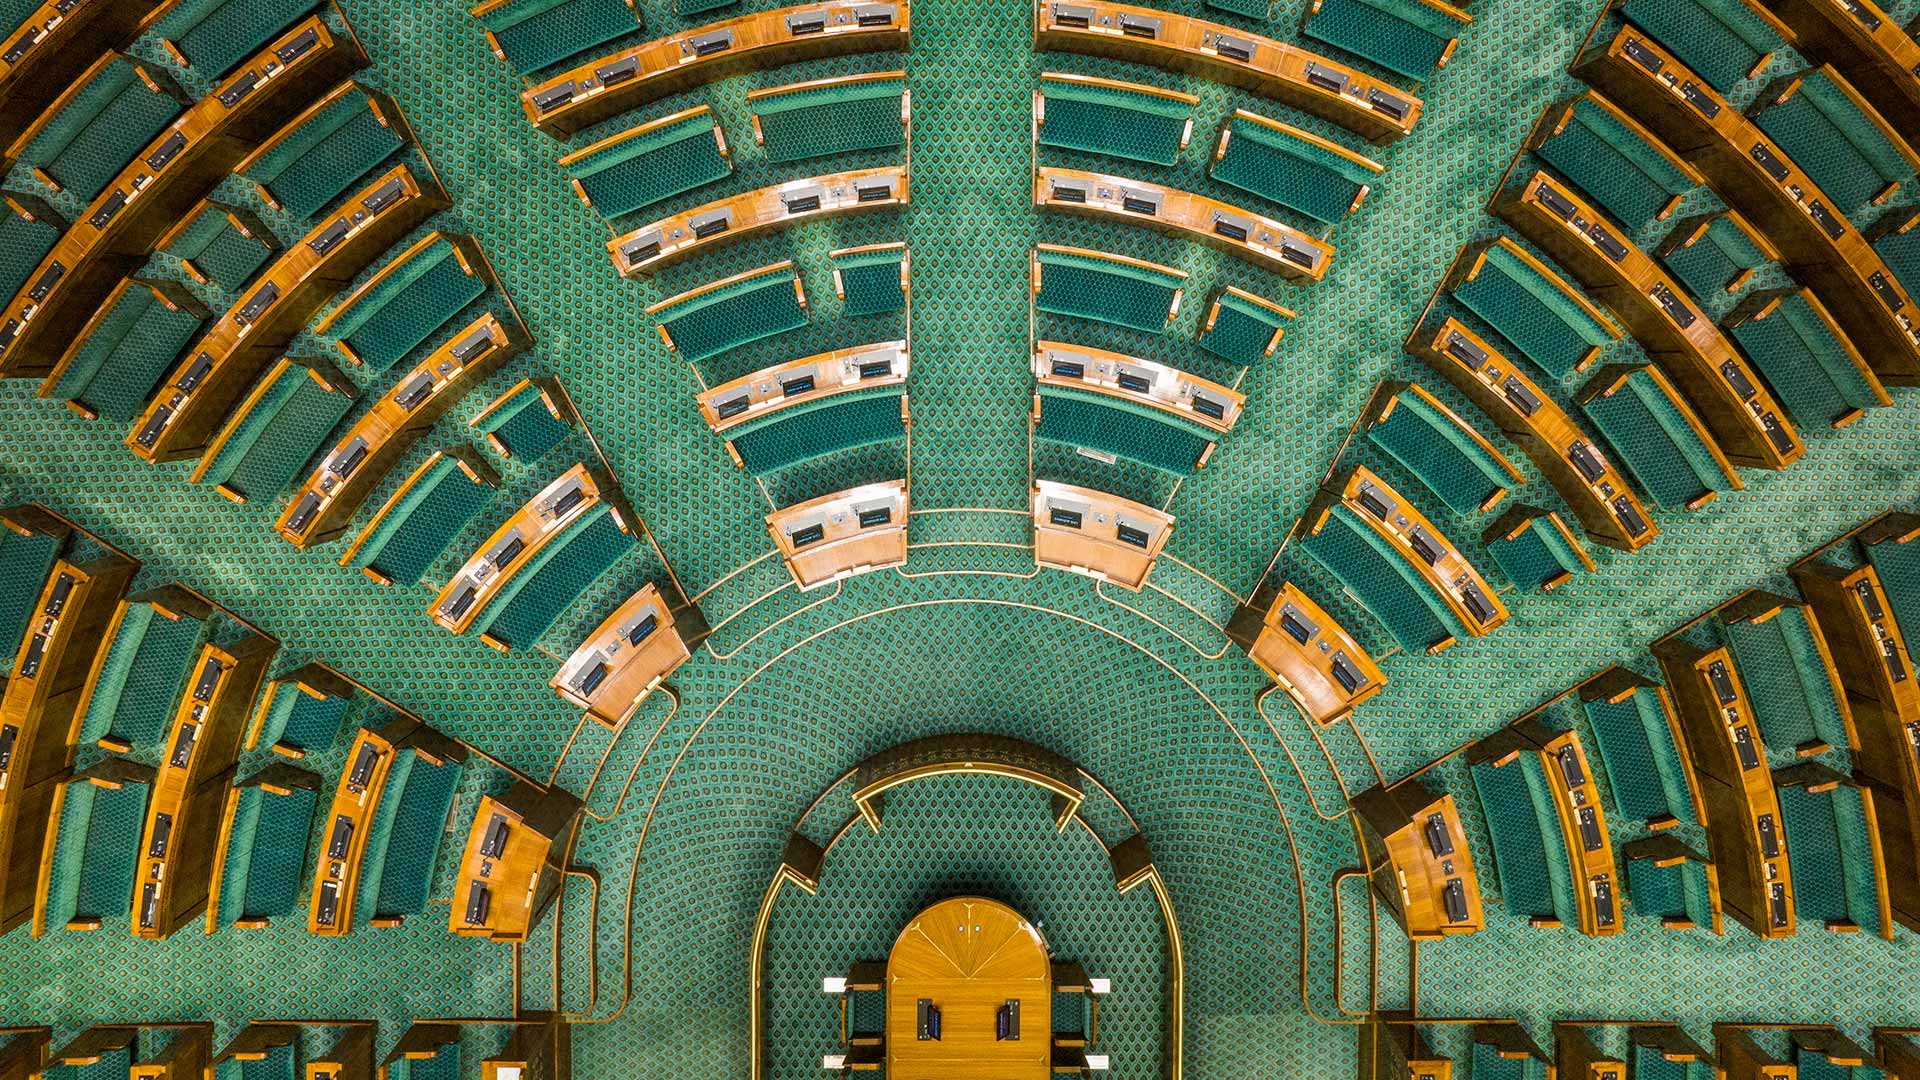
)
(843, 533)
(1422, 866)
(1149, 383)
(795, 382)
(1312, 657)
(1093, 533)
(53, 45)
(662, 243)
(973, 962)
(626, 657)
(1869, 48)
(513, 545)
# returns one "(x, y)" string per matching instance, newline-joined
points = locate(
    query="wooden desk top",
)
(1870, 654)
(593, 91)
(969, 956)
(1598, 895)
(177, 168)
(1258, 239)
(323, 506)
(624, 659)
(511, 861)
(843, 533)
(1426, 857)
(198, 393)
(1306, 80)
(660, 244)
(810, 378)
(513, 546)
(1191, 398)
(1091, 532)
(1749, 425)
(1756, 177)
(1313, 658)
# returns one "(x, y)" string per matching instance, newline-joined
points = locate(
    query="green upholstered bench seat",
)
(1794, 342)
(28, 230)
(270, 436)
(1637, 750)
(1833, 855)
(1293, 168)
(1407, 37)
(211, 36)
(221, 244)
(92, 130)
(431, 508)
(1434, 444)
(527, 421)
(1835, 137)
(1713, 254)
(443, 1065)
(1520, 850)
(324, 151)
(660, 159)
(1899, 568)
(810, 429)
(419, 797)
(733, 312)
(143, 675)
(1534, 308)
(526, 608)
(127, 345)
(294, 718)
(1382, 581)
(407, 301)
(1898, 243)
(871, 280)
(1535, 550)
(266, 866)
(1658, 438)
(831, 116)
(1610, 157)
(279, 1062)
(1782, 662)
(536, 34)
(1243, 328)
(1667, 880)
(25, 562)
(1131, 430)
(1106, 288)
(97, 844)
(1120, 119)
(1724, 41)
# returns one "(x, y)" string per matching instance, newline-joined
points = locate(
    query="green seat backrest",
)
(1812, 1066)
(277, 858)
(1382, 581)
(1242, 330)
(1657, 891)
(636, 169)
(535, 597)
(297, 718)
(413, 842)
(833, 119)
(408, 306)
(1404, 36)
(444, 1065)
(1640, 759)
(280, 1063)
(111, 1065)
(1721, 40)
(1901, 252)
(1899, 568)
(1519, 843)
(112, 851)
(1715, 260)
(425, 520)
(213, 244)
(1827, 135)
(1487, 1064)
(1433, 447)
(142, 677)
(24, 242)
(535, 34)
(802, 432)
(99, 129)
(1103, 119)
(1813, 852)
(1653, 437)
(214, 35)
(13, 14)
(1285, 168)
(1615, 165)
(131, 347)
(757, 306)
(1106, 290)
(276, 437)
(1781, 663)
(871, 282)
(25, 562)
(1806, 363)
(1126, 429)
(1542, 321)
(1538, 555)
(327, 154)
(524, 424)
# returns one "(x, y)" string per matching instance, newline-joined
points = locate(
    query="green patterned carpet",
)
(1243, 809)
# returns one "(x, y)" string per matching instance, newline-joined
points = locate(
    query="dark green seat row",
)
(1658, 439)
(1508, 801)
(267, 852)
(522, 423)
(1836, 882)
(870, 280)
(802, 432)
(657, 160)
(325, 150)
(1106, 288)
(28, 230)
(1641, 759)
(25, 562)
(832, 116)
(1724, 41)
(1407, 37)
(440, 499)
(1434, 444)
(1125, 120)
(1136, 432)
(1293, 168)
(1783, 664)
(1535, 550)
(421, 796)
(286, 418)
(407, 301)
(130, 342)
(1835, 138)
(1242, 328)
(221, 244)
(1615, 162)
(1712, 254)
(211, 36)
(99, 123)
(528, 605)
(143, 674)
(1795, 344)
(1382, 581)
(97, 845)
(536, 34)
(298, 720)
(747, 308)
(1535, 309)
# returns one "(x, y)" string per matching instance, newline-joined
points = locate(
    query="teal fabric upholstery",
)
(1806, 362)
(142, 677)
(298, 719)
(1721, 40)
(1535, 314)
(413, 846)
(1616, 167)
(758, 306)
(536, 34)
(409, 305)
(1813, 851)
(23, 243)
(1537, 556)
(99, 129)
(1653, 438)
(1519, 843)
(1434, 447)
(1112, 426)
(1289, 170)
(117, 366)
(419, 528)
(1406, 37)
(636, 169)
(1106, 290)
(1785, 676)
(277, 862)
(1839, 147)
(112, 851)
(1241, 331)
(527, 607)
(25, 562)
(214, 35)
(1711, 264)
(271, 443)
(1899, 568)
(871, 281)
(1382, 581)
(802, 432)
(1901, 252)
(1487, 1064)
(1641, 762)
(1109, 120)
(1655, 890)
(822, 120)
(327, 154)
(219, 250)
(281, 1063)
(524, 425)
